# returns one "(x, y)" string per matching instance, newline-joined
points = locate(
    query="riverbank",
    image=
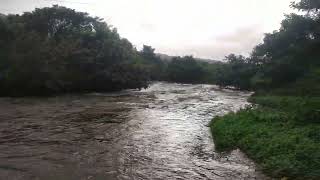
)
(281, 134)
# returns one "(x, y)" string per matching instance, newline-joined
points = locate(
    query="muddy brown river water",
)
(158, 133)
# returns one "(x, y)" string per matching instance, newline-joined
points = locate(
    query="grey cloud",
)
(251, 33)
(240, 41)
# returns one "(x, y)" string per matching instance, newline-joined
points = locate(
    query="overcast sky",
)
(203, 28)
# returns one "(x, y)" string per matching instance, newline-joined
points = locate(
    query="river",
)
(158, 133)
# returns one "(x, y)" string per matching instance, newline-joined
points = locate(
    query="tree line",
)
(58, 50)
(287, 58)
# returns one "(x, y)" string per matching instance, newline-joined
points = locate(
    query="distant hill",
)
(166, 57)
(210, 61)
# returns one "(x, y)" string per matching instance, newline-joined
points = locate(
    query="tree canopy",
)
(287, 56)
(57, 49)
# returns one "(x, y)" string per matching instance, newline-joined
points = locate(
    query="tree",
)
(307, 5)
(185, 70)
(56, 49)
(152, 63)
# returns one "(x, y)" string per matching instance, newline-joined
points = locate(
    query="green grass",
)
(301, 109)
(282, 135)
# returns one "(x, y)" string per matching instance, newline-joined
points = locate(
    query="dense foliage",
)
(56, 49)
(283, 139)
(286, 56)
(185, 70)
(155, 67)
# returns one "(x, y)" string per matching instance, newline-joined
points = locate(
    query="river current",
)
(158, 133)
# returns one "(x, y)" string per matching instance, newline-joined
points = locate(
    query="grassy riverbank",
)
(282, 134)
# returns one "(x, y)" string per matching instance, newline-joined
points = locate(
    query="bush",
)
(283, 140)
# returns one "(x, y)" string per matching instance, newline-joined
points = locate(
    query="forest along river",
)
(158, 133)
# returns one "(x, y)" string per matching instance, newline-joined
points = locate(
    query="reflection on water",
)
(157, 133)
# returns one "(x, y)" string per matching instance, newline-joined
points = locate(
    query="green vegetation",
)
(57, 50)
(281, 131)
(287, 58)
(281, 135)
(185, 70)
